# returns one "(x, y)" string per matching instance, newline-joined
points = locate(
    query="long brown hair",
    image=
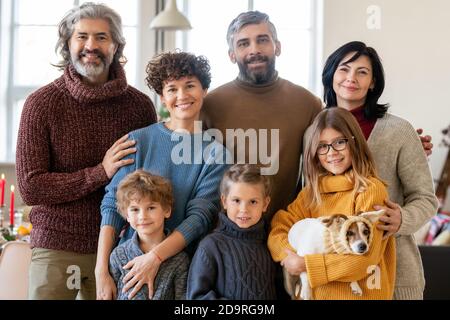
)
(362, 166)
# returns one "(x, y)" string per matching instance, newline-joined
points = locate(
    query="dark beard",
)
(257, 77)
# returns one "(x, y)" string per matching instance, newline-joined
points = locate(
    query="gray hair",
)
(246, 18)
(89, 10)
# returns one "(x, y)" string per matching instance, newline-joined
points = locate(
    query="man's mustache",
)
(257, 58)
(95, 51)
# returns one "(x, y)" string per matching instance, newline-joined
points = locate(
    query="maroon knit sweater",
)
(65, 130)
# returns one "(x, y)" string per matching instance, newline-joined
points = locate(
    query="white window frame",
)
(316, 47)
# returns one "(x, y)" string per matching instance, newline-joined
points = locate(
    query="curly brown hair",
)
(175, 65)
(140, 184)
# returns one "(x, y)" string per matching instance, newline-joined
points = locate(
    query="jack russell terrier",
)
(332, 234)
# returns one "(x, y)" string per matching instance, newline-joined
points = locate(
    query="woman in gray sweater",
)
(353, 78)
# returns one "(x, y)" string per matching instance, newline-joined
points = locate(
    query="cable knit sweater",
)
(65, 130)
(329, 274)
(232, 263)
(170, 281)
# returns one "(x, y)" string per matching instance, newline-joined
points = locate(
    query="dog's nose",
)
(362, 247)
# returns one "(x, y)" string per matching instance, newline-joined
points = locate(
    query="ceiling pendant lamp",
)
(170, 18)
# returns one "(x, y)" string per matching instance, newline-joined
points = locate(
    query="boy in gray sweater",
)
(145, 201)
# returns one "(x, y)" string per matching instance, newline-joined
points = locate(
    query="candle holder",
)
(3, 211)
(18, 219)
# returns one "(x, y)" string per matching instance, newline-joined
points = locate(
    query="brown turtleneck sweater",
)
(65, 130)
(277, 105)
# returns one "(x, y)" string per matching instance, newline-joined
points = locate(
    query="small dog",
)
(332, 234)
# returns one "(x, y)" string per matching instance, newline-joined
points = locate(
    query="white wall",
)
(413, 42)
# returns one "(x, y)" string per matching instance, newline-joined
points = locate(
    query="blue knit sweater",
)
(195, 180)
(232, 263)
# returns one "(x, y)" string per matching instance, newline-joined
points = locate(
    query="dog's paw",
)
(357, 292)
(305, 294)
(356, 289)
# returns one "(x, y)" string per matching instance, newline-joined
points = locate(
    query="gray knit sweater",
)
(402, 164)
(170, 282)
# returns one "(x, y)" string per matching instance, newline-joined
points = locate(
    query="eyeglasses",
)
(337, 145)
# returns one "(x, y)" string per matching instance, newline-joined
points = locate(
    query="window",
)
(295, 21)
(28, 35)
(28, 49)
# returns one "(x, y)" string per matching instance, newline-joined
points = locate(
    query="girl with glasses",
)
(341, 179)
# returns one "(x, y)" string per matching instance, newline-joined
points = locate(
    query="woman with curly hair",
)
(194, 168)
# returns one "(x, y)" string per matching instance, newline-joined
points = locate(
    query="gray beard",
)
(89, 70)
(257, 78)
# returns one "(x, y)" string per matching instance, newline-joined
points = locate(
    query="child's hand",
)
(392, 218)
(293, 263)
(143, 271)
(105, 286)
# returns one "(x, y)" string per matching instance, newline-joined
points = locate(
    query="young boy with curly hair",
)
(145, 201)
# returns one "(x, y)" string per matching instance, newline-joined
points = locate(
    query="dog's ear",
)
(372, 216)
(335, 218)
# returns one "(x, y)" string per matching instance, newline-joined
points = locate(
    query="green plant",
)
(163, 113)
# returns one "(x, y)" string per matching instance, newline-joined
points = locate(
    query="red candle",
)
(2, 190)
(11, 208)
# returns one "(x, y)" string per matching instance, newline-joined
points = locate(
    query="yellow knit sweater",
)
(330, 275)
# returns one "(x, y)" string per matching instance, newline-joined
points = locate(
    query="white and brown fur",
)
(326, 235)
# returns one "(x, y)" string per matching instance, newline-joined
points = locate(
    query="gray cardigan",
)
(170, 282)
(402, 164)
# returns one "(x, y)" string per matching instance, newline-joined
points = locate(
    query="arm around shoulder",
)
(420, 203)
(204, 204)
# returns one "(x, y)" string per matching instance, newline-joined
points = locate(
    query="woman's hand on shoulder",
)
(293, 263)
(143, 271)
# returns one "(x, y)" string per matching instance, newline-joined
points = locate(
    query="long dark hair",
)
(372, 109)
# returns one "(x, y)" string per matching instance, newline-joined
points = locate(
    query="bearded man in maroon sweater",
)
(72, 139)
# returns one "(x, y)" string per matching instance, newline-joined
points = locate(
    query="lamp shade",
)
(170, 18)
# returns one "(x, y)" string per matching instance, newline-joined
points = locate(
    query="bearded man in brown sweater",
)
(261, 100)
(72, 139)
